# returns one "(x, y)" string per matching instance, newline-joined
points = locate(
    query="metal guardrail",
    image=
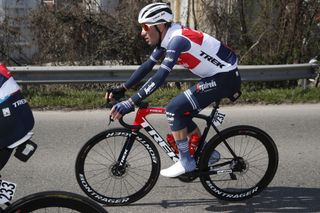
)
(90, 74)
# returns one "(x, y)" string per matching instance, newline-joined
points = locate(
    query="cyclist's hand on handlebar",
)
(115, 94)
(121, 109)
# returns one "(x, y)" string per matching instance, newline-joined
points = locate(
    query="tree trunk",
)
(244, 31)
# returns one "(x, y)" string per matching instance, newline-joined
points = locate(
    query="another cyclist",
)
(202, 54)
(16, 118)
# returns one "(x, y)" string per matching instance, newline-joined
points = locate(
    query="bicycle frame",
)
(141, 122)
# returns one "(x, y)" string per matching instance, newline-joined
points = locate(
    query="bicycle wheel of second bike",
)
(54, 202)
(99, 177)
(253, 168)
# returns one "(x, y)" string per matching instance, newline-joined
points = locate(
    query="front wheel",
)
(102, 179)
(55, 201)
(239, 164)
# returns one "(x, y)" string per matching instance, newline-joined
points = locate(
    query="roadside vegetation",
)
(73, 33)
(56, 97)
(261, 32)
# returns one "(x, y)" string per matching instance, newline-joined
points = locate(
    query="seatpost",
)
(214, 109)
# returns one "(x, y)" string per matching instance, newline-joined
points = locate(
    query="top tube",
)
(144, 110)
(141, 114)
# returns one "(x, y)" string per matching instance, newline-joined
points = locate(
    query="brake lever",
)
(110, 103)
(110, 120)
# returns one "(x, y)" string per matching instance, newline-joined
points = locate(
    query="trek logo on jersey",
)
(19, 102)
(205, 86)
(211, 59)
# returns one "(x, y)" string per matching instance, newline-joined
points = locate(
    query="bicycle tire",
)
(64, 201)
(236, 186)
(97, 158)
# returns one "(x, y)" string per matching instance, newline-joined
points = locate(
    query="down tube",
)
(160, 141)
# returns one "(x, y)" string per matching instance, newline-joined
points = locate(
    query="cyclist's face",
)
(150, 34)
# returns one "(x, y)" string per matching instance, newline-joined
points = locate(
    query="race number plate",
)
(218, 118)
(7, 190)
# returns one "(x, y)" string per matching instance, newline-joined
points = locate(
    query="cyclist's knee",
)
(192, 127)
(178, 121)
(195, 130)
(174, 118)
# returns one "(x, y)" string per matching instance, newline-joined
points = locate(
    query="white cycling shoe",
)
(173, 171)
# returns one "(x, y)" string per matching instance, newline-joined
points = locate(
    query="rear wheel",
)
(102, 179)
(244, 175)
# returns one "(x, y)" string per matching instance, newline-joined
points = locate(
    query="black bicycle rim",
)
(104, 193)
(55, 201)
(259, 149)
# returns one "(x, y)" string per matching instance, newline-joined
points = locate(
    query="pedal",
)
(25, 150)
(187, 177)
(193, 174)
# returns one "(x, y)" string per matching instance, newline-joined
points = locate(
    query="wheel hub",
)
(238, 165)
(118, 171)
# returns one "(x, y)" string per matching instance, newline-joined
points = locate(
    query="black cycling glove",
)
(118, 92)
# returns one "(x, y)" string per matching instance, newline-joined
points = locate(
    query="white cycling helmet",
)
(155, 13)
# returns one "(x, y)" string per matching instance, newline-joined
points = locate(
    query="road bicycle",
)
(48, 201)
(121, 165)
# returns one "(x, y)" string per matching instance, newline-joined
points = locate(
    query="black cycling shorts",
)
(199, 96)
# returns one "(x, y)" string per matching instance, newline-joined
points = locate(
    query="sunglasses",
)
(145, 27)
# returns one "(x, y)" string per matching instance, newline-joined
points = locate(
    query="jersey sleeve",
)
(8, 85)
(176, 45)
(144, 68)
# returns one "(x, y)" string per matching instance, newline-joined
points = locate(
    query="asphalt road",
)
(295, 188)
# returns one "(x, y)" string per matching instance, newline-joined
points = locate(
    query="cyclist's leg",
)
(208, 90)
(180, 111)
(192, 101)
(180, 124)
(196, 101)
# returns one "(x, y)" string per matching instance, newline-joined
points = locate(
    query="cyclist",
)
(16, 118)
(202, 54)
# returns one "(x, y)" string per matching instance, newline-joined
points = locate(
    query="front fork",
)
(122, 159)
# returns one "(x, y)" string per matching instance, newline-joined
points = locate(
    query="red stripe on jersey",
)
(187, 60)
(4, 71)
(193, 35)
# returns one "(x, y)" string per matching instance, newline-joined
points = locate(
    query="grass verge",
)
(64, 97)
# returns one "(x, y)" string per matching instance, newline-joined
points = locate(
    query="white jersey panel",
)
(206, 56)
